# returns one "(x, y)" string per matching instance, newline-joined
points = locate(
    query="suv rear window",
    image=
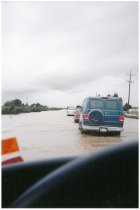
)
(111, 105)
(71, 108)
(96, 104)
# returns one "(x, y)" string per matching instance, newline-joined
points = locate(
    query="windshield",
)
(72, 108)
(55, 54)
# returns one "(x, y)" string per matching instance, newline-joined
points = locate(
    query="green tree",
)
(127, 107)
(17, 102)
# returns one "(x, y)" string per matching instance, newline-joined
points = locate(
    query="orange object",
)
(9, 145)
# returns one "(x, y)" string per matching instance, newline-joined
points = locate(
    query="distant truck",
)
(71, 111)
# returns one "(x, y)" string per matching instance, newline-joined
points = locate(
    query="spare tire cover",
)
(96, 117)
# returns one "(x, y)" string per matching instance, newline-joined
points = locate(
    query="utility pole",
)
(130, 81)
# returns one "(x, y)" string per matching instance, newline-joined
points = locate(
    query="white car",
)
(71, 111)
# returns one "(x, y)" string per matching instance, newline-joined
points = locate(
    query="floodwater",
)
(50, 134)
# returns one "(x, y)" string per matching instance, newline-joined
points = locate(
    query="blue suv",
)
(102, 114)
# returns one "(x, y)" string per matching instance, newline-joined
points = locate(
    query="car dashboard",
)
(106, 179)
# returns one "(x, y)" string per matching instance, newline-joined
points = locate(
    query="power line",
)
(130, 81)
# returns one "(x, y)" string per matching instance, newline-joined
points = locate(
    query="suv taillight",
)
(85, 116)
(121, 118)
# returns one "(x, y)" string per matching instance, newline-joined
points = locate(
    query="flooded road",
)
(51, 134)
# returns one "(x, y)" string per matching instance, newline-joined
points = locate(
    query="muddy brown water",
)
(53, 134)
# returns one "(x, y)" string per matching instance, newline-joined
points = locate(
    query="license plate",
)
(103, 130)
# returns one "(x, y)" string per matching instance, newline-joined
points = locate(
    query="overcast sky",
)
(58, 53)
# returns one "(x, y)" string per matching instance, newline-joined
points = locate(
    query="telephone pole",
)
(130, 81)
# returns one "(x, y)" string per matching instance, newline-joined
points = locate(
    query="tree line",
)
(16, 106)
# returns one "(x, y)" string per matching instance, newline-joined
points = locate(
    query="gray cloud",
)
(67, 47)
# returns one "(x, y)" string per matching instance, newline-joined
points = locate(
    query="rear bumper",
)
(76, 119)
(70, 113)
(102, 128)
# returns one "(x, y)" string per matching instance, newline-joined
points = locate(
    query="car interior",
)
(105, 179)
